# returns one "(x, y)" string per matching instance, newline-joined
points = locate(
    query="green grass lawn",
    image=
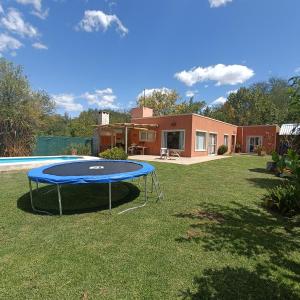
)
(209, 239)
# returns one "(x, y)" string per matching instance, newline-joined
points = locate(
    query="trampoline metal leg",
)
(145, 182)
(109, 195)
(31, 197)
(152, 183)
(59, 200)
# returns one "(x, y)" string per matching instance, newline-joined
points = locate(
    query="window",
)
(226, 140)
(173, 140)
(200, 141)
(147, 136)
(212, 144)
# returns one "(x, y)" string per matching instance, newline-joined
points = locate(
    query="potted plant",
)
(73, 151)
(272, 165)
(238, 148)
(260, 150)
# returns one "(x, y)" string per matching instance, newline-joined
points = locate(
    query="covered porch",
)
(126, 136)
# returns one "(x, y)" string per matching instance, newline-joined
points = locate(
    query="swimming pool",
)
(6, 160)
(28, 162)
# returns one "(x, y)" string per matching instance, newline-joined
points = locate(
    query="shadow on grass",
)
(260, 170)
(244, 231)
(238, 283)
(239, 229)
(266, 183)
(79, 198)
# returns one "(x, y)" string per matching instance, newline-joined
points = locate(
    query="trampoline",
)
(92, 171)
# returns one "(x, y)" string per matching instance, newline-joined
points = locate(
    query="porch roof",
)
(128, 125)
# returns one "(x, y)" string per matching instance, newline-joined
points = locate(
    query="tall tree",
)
(294, 107)
(190, 106)
(261, 103)
(21, 111)
(83, 125)
(162, 102)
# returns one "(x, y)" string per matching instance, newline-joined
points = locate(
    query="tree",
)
(84, 124)
(162, 102)
(294, 92)
(21, 111)
(261, 103)
(190, 106)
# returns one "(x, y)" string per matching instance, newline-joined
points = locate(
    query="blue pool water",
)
(7, 160)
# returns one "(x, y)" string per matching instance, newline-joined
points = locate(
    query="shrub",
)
(114, 153)
(222, 149)
(284, 198)
(280, 162)
(78, 149)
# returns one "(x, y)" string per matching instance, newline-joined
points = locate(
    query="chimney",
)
(103, 118)
(141, 112)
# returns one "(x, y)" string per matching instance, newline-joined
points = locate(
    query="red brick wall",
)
(177, 122)
(189, 123)
(208, 125)
(267, 132)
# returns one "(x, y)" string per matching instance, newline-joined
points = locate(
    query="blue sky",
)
(103, 53)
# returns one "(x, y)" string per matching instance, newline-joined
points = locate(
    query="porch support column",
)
(111, 138)
(126, 139)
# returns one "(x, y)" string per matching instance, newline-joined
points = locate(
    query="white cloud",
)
(222, 74)
(297, 70)
(232, 92)
(218, 101)
(217, 3)
(95, 20)
(102, 98)
(39, 46)
(1, 9)
(8, 43)
(41, 14)
(14, 22)
(191, 93)
(67, 102)
(149, 92)
(37, 4)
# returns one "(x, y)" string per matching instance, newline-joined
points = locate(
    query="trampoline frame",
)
(154, 184)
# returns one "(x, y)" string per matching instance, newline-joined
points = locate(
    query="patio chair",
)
(175, 153)
(164, 153)
(131, 149)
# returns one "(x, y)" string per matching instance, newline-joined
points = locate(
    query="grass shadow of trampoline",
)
(79, 198)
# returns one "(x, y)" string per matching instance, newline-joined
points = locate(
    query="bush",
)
(114, 153)
(78, 149)
(222, 149)
(285, 198)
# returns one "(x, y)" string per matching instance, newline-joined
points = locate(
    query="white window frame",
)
(253, 136)
(227, 140)
(172, 130)
(147, 139)
(216, 144)
(205, 148)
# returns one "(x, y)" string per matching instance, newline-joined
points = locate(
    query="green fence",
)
(58, 145)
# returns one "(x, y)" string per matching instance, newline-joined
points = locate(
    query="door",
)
(233, 143)
(212, 144)
(254, 141)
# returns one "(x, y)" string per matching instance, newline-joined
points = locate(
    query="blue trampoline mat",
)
(90, 171)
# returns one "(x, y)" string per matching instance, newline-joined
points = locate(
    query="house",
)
(252, 136)
(189, 134)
